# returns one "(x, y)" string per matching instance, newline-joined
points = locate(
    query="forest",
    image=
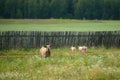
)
(68, 9)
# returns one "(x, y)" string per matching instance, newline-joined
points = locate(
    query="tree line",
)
(75, 9)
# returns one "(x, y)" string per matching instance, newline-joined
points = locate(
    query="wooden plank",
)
(26, 39)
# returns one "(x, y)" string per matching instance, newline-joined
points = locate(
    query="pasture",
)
(97, 64)
(58, 25)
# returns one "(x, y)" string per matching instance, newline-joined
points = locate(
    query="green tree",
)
(58, 8)
(78, 9)
(43, 9)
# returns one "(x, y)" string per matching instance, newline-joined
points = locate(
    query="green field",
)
(97, 64)
(58, 25)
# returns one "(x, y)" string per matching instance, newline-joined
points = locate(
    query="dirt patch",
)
(107, 52)
(30, 55)
(16, 55)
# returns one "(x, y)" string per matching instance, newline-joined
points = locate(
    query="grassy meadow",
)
(96, 64)
(58, 25)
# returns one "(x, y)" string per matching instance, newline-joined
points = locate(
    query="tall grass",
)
(63, 65)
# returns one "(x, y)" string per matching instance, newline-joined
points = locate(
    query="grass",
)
(57, 25)
(63, 65)
(97, 64)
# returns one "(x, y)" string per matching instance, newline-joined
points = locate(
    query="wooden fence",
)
(29, 39)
